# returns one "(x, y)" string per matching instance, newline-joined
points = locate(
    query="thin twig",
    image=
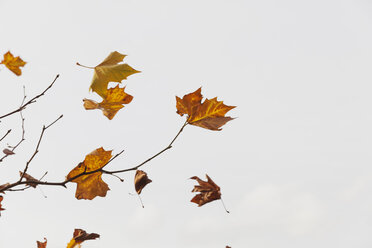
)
(23, 106)
(6, 134)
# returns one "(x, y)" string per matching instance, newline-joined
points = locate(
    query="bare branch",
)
(6, 134)
(23, 106)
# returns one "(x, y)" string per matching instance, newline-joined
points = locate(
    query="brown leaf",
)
(1, 198)
(113, 102)
(209, 191)
(141, 180)
(3, 186)
(13, 63)
(42, 244)
(210, 114)
(29, 178)
(8, 152)
(90, 185)
(79, 237)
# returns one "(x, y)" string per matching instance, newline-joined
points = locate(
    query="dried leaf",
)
(13, 63)
(209, 191)
(42, 244)
(79, 237)
(141, 180)
(29, 178)
(110, 71)
(91, 185)
(113, 102)
(8, 152)
(3, 186)
(210, 114)
(1, 198)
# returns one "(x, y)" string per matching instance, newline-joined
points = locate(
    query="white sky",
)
(294, 167)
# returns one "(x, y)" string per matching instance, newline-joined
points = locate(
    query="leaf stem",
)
(84, 66)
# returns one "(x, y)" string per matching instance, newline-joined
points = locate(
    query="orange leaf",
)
(90, 185)
(13, 63)
(42, 244)
(79, 237)
(141, 180)
(113, 102)
(210, 114)
(209, 191)
(1, 198)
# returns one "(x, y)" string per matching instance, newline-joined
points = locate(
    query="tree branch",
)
(23, 106)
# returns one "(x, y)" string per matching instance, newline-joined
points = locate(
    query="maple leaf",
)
(113, 102)
(140, 181)
(110, 71)
(1, 198)
(210, 114)
(90, 185)
(29, 178)
(209, 191)
(42, 244)
(79, 237)
(13, 63)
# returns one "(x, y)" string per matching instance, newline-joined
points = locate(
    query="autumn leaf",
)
(79, 237)
(42, 244)
(209, 191)
(1, 198)
(29, 178)
(140, 181)
(90, 185)
(13, 63)
(210, 114)
(8, 152)
(109, 71)
(113, 102)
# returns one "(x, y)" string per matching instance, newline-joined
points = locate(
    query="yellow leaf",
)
(90, 185)
(13, 63)
(210, 114)
(110, 71)
(113, 102)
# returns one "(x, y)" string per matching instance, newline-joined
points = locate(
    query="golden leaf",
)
(90, 185)
(42, 244)
(79, 237)
(209, 191)
(13, 63)
(210, 114)
(141, 180)
(110, 71)
(113, 102)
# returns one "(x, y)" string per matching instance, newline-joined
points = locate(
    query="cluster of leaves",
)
(208, 114)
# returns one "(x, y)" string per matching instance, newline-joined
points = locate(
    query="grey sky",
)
(294, 167)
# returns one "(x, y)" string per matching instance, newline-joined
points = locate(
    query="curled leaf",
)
(79, 237)
(113, 102)
(140, 181)
(13, 63)
(209, 191)
(8, 152)
(90, 185)
(29, 179)
(210, 114)
(42, 244)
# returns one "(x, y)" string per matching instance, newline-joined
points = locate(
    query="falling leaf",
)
(113, 102)
(209, 191)
(8, 152)
(141, 180)
(42, 244)
(29, 178)
(110, 71)
(91, 185)
(13, 63)
(210, 114)
(1, 198)
(79, 237)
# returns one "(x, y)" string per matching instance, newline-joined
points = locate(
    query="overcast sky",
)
(294, 168)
